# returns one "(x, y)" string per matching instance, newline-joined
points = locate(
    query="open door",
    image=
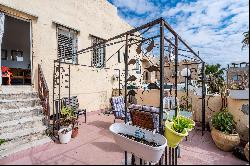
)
(16, 52)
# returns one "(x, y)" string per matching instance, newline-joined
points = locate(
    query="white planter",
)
(239, 94)
(64, 138)
(145, 152)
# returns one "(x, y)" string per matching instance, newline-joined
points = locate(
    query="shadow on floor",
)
(100, 124)
(107, 146)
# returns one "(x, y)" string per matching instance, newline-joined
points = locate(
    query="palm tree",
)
(245, 41)
(214, 75)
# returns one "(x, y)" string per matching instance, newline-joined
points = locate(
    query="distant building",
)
(238, 75)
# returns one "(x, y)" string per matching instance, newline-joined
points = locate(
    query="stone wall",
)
(241, 116)
(152, 98)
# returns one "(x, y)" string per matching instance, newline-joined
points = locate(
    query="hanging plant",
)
(176, 130)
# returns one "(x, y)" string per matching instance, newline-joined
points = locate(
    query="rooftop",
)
(95, 145)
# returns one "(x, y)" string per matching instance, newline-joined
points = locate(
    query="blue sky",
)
(212, 27)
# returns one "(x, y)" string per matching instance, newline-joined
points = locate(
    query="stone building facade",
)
(238, 75)
(82, 21)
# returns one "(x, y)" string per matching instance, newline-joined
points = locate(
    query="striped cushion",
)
(118, 107)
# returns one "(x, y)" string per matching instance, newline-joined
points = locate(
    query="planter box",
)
(239, 94)
(145, 152)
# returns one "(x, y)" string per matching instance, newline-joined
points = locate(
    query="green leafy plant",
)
(223, 121)
(2, 141)
(214, 75)
(181, 123)
(68, 117)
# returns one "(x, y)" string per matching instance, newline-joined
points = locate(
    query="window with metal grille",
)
(67, 45)
(99, 52)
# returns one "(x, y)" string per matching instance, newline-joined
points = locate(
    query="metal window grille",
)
(67, 45)
(99, 52)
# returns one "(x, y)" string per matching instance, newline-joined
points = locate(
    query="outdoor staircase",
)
(21, 120)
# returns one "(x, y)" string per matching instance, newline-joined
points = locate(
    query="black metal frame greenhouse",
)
(162, 38)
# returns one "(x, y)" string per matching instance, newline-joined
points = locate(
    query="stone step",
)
(20, 124)
(21, 140)
(19, 146)
(16, 96)
(20, 103)
(17, 114)
(16, 88)
(23, 132)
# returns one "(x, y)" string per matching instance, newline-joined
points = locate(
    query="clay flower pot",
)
(74, 132)
(225, 142)
(246, 151)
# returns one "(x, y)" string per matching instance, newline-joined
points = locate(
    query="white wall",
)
(16, 37)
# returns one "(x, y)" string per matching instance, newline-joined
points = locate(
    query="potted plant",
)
(66, 122)
(176, 130)
(144, 144)
(223, 130)
(65, 135)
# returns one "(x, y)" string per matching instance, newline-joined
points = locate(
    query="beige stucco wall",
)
(97, 17)
(212, 103)
(241, 119)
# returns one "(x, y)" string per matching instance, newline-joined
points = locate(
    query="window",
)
(67, 45)
(99, 52)
(236, 77)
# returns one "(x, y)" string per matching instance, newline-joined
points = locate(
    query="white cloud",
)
(138, 6)
(213, 27)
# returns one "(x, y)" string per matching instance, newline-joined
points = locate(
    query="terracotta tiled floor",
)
(95, 145)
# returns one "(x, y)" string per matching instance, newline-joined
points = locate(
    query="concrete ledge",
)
(239, 94)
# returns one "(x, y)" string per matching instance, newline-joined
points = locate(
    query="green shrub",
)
(223, 121)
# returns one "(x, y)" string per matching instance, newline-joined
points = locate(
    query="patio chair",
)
(74, 104)
(118, 108)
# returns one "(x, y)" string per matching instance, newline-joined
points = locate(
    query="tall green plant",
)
(223, 121)
(214, 74)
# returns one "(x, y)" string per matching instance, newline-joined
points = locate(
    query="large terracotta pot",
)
(225, 142)
(246, 151)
